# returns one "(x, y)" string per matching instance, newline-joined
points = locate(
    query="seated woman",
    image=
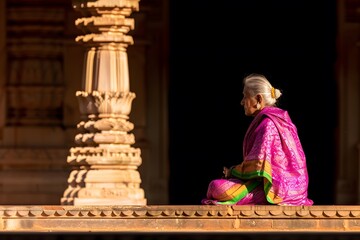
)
(274, 169)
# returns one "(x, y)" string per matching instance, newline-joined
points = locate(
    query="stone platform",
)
(181, 222)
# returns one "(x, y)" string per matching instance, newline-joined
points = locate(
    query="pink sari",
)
(274, 167)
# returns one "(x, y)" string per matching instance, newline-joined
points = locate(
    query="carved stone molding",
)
(181, 219)
(105, 156)
(106, 104)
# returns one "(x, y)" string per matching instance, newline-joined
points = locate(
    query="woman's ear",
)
(259, 98)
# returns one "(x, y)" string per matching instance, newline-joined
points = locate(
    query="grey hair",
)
(258, 84)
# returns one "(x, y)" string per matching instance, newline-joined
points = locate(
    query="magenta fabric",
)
(223, 186)
(272, 152)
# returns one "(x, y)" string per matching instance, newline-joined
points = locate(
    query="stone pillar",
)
(348, 76)
(105, 166)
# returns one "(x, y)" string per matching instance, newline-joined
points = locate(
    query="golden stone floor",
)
(179, 222)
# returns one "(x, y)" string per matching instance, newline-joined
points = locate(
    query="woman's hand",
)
(227, 172)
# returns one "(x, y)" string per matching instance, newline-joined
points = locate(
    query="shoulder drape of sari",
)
(272, 151)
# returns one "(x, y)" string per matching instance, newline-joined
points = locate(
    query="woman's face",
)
(249, 103)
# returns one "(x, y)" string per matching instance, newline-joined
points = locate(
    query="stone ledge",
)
(185, 219)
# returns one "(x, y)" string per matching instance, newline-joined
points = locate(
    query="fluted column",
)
(105, 165)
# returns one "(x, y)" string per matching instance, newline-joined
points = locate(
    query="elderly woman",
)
(273, 170)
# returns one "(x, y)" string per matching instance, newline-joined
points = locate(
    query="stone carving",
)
(35, 86)
(291, 220)
(105, 165)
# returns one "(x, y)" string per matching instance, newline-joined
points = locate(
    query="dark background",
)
(213, 45)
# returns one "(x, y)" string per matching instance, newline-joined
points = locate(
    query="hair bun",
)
(277, 93)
